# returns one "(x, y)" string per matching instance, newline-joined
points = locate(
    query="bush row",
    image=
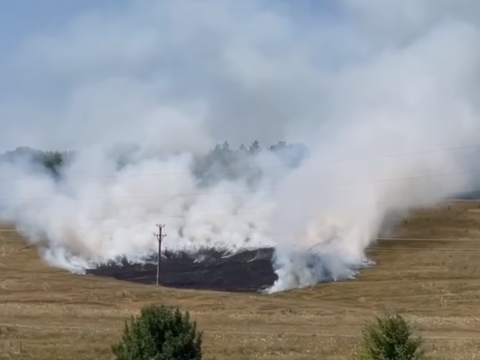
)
(161, 333)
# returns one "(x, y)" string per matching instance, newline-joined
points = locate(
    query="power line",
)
(422, 249)
(198, 194)
(367, 250)
(189, 216)
(258, 167)
(425, 239)
(387, 240)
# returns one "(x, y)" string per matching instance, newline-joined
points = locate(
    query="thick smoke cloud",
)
(383, 94)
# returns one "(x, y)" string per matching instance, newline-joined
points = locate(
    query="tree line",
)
(220, 163)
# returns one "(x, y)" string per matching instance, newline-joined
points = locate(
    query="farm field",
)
(49, 314)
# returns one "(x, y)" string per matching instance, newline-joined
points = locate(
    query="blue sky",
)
(19, 19)
(55, 59)
(245, 67)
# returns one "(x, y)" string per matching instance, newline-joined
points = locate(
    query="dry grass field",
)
(48, 314)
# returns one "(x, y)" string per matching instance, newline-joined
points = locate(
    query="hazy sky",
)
(20, 19)
(72, 65)
(78, 72)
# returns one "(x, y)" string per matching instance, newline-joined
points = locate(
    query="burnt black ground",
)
(246, 271)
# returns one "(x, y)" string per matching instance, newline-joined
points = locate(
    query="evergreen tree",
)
(160, 333)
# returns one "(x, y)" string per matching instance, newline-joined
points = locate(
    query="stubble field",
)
(49, 314)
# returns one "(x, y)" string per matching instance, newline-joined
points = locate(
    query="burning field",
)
(430, 272)
(303, 149)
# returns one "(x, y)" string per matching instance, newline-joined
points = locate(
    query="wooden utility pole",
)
(159, 237)
(3, 246)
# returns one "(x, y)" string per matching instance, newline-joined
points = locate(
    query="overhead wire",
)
(260, 167)
(260, 191)
(251, 191)
(240, 213)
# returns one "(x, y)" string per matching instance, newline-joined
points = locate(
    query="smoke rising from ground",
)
(383, 94)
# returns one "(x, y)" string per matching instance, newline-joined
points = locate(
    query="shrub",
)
(390, 337)
(159, 333)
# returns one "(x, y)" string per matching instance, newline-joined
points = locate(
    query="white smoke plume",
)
(383, 93)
